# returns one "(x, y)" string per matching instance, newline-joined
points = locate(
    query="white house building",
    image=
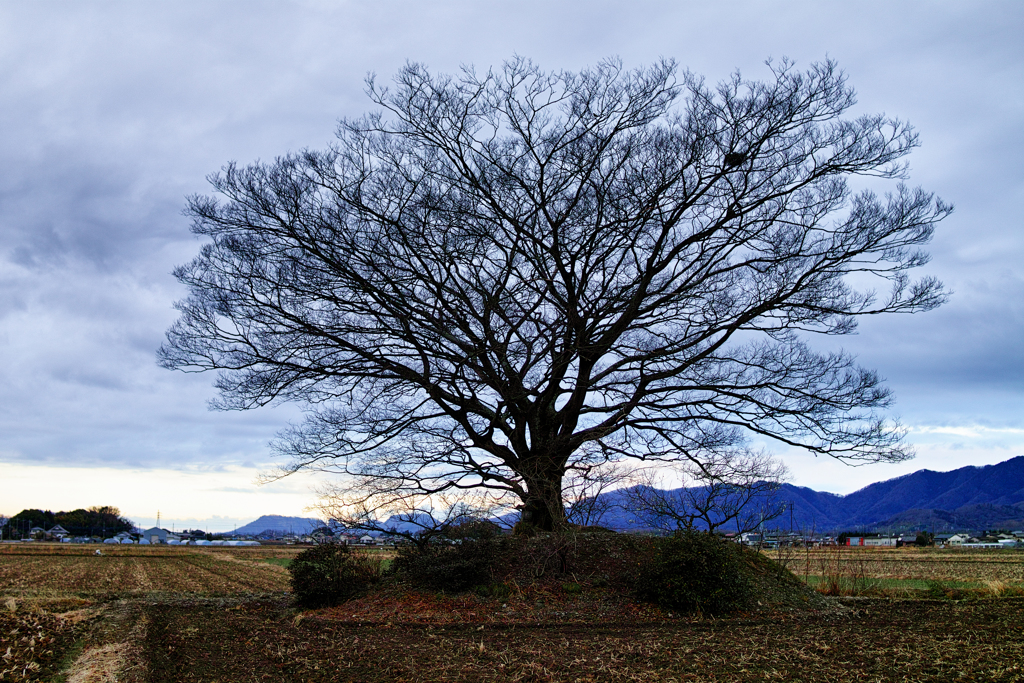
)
(158, 535)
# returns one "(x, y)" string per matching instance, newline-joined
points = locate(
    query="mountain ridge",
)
(968, 498)
(281, 524)
(1001, 484)
(972, 497)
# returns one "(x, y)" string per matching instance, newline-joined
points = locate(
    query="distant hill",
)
(972, 517)
(969, 498)
(1000, 484)
(296, 525)
(966, 498)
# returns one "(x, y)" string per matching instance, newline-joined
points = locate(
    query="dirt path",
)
(100, 664)
(141, 576)
(112, 649)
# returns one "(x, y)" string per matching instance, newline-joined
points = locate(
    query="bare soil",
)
(229, 618)
(877, 640)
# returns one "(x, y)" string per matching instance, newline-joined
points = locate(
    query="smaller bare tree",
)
(419, 520)
(584, 492)
(735, 489)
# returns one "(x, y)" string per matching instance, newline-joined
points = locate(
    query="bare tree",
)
(735, 491)
(418, 520)
(585, 493)
(497, 278)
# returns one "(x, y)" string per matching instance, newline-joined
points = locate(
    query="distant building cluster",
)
(160, 536)
(994, 540)
(1013, 539)
(326, 534)
(152, 536)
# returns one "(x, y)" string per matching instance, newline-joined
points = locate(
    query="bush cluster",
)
(687, 572)
(450, 567)
(694, 572)
(329, 574)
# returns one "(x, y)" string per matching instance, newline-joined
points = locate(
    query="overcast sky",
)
(112, 112)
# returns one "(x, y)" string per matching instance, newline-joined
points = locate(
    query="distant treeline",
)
(104, 521)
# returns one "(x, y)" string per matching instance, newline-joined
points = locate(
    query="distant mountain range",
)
(991, 496)
(278, 523)
(966, 499)
(969, 498)
(965, 518)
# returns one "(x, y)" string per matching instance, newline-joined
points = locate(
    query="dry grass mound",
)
(577, 578)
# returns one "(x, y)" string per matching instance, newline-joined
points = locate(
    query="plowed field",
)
(871, 641)
(41, 570)
(152, 614)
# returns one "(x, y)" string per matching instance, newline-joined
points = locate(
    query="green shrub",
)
(474, 529)
(947, 590)
(496, 591)
(694, 572)
(449, 567)
(524, 529)
(329, 574)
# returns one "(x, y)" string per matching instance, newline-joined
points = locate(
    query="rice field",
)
(856, 570)
(41, 570)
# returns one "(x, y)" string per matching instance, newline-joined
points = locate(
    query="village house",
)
(872, 541)
(157, 535)
(950, 539)
(957, 540)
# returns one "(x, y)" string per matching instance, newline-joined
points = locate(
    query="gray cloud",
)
(112, 113)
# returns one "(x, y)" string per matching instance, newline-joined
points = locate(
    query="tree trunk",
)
(543, 508)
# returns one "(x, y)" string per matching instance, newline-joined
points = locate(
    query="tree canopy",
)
(497, 281)
(102, 520)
